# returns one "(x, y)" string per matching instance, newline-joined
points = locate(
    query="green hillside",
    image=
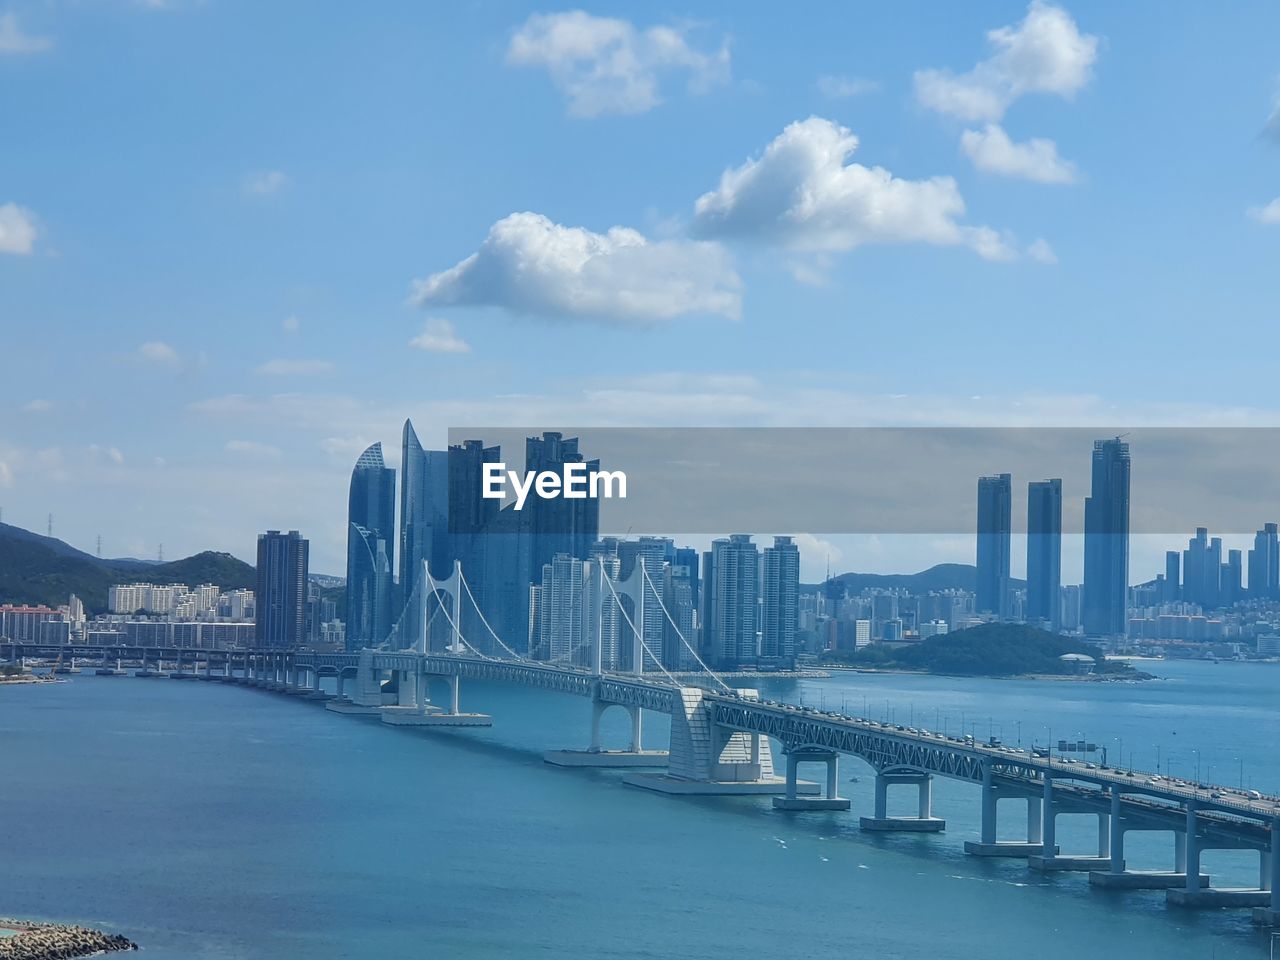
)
(35, 569)
(943, 576)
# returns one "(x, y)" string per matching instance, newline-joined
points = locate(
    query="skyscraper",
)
(1231, 580)
(563, 524)
(1106, 541)
(995, 507)
(654, 553)
(562, 612)
(371, 517)
(678, 597)
(605, 614)
(1172, 576)
(730, 597)
(1044, 551)
(780, 592)
(1264, 563)
(424, 528)
(1202, 570)
(280, 611)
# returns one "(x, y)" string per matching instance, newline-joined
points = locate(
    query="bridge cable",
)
(623, 610)
(456, 629)
(480, 612)
(679, 633)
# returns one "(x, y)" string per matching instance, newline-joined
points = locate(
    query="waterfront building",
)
(34, 624)
(1044, 552)
(1202, 570)
(282, 590)
(678, 594)
(371, 512)
(1172, 576)
(1264, 564)
(1106, 540)
(731, 590)
(995, 504)
(424, 530)
(780, 591)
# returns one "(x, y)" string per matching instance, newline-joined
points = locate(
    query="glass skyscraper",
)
(371, 519)
(424, 531)
(995, 521)
(1044, 551)
(1264, 563)
(1106, 541)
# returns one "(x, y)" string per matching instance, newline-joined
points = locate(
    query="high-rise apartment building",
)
(995, 513)
(730, 598)
(780, 595)
(281, 595)
(1044, 551)
(1106, 541)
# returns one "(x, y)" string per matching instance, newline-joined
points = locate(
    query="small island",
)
(994, 650)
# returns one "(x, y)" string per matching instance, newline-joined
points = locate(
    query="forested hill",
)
(35, 569)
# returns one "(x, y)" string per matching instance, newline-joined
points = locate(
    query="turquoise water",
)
(219, 822)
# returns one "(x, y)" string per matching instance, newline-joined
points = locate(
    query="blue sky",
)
(227, 232)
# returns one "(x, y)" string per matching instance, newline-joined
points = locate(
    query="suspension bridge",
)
(722, 742)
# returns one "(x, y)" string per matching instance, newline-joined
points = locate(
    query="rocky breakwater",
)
(57, 941)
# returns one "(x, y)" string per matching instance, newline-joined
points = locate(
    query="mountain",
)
(38, 569)
(943, 576)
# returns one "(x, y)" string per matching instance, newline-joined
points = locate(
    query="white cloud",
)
(253, 448)
(1272, 126)
(159, 353)
(294, 368)
(817, 555)
(17, 229)
(290, 324)
(1269, 214)
(1041, 252)
(992, 151)
(841, 88)
(14, 40)
(604, 65)
(265, 183)
(530, 265)
(111, 454)
(37, 406)
(1045, 53)
(802, 194)
(438, 336)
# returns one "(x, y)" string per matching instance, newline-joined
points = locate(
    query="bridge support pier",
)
(709, 760)
(923, 822)
(1269, 915)
(597, 756)
(1196, 895)
(988, 845)
(1053, 862)
(829, 800)
(1117, 877)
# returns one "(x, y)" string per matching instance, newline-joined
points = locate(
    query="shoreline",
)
(1137, 677)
